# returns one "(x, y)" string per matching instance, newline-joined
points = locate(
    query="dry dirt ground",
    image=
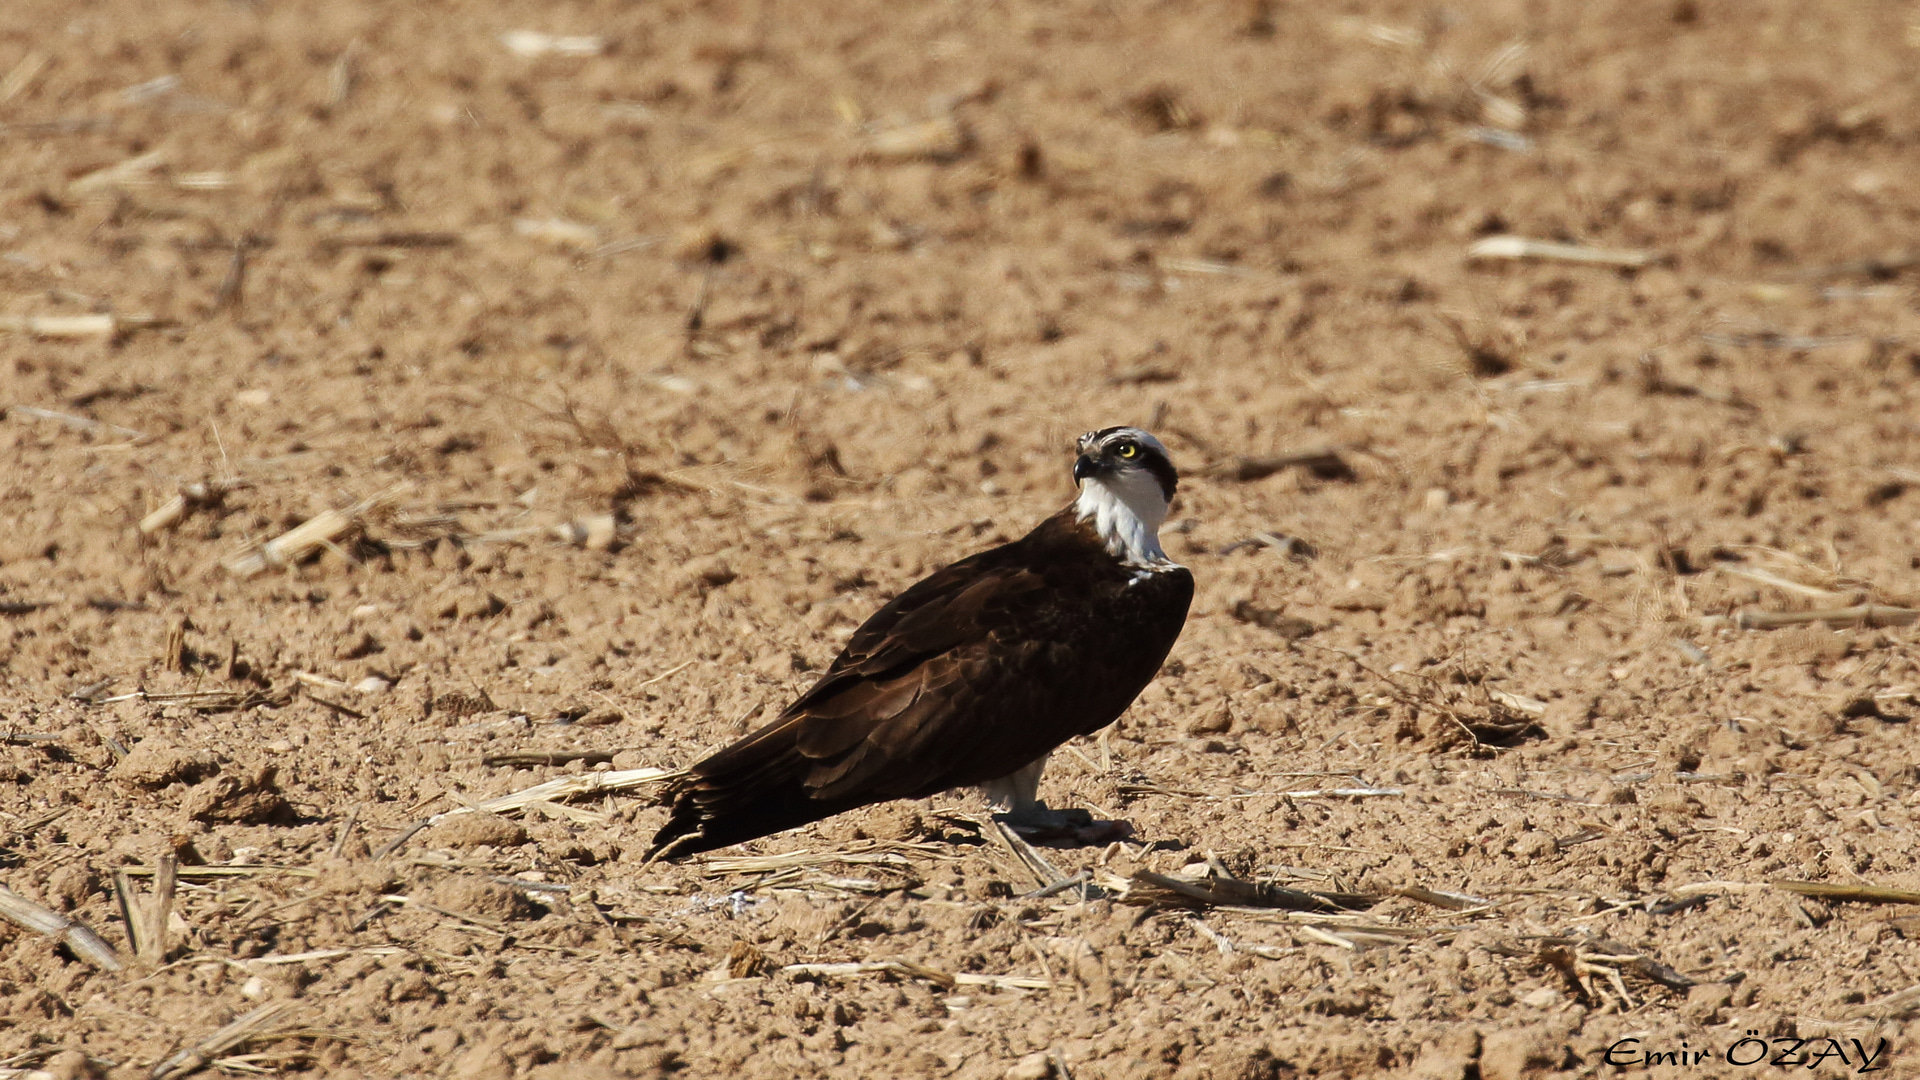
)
(648, 357)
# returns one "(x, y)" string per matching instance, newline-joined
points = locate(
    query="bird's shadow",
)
(1069, 828)
(1072, 827)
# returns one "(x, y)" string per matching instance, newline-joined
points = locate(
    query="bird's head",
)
(1126, 485)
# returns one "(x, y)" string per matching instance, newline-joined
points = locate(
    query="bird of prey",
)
(972, 676)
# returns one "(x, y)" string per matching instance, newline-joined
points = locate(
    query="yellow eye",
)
(1127, 451)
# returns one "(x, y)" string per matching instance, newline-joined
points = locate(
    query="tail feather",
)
(742, 793)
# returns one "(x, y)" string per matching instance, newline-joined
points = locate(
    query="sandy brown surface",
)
(811, 303)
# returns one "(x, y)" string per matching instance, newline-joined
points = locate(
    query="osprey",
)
(972, 676)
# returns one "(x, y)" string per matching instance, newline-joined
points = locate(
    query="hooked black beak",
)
(1083, 467)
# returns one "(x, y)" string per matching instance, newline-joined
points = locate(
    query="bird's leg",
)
(1018, 793)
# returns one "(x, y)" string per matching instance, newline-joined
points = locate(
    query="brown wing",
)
(965, 677)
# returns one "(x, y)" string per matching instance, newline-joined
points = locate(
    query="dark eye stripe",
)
(1137, 454)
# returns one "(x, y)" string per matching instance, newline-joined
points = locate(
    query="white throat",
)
(1126, 510)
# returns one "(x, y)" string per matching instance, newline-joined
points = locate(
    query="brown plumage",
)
(967, 677)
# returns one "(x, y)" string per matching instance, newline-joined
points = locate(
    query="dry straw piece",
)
(202, 700)
(1763, 576)
(1519, 247)
(265, 1022)
(78, 423)
(316, 532)
(1452, 901)
(225, 870)
(146, 921)
(1344, 793)
(1865, 894)
(886, 853)
(566, 787)
(596, 533)
(61, 326)
(21, 76)
(134, 170)
(1860, 615)
(82, 940)
(190, 497)
(535, 43)
(1147, 888)
(1030, 859)
(939, 139)
(558, 232)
